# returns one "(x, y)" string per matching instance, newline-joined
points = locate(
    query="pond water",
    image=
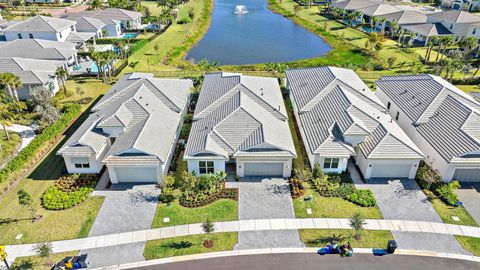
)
(255, 37)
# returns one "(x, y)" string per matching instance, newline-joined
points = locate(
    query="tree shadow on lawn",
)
(52, 167)
(322, 241)
(23, 265)
(178, 245)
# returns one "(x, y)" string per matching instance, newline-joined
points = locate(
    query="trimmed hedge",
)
(55, 199)
(362, 197)
(51, 132)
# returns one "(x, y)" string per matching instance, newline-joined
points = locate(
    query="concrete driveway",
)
(126, 208)
(469, 194)
(404, 200)
(265, 198)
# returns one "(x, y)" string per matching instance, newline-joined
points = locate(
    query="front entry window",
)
(330, 163)
(206, 167)
(82, 165)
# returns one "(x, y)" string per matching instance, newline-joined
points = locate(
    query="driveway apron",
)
(404, 200)
(265, 198)
(126, 208)
(469, 195)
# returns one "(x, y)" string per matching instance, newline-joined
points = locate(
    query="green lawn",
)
(331, 207)
(471, 244)
(469, 88)
(185, 245)
(8, 147)
(150, 60)
(155, 10)
(93, 89)
(446, 212)
(221, 210)
(323, 237)
(38, 263)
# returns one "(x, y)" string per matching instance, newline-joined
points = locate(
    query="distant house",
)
(88, 25)
(341, 119)
(240, 126)
(425, 31)
(377, 10)
(40, 49)
(441, 119)
(32, 73)
(132, 130)
(353, 5)
(129, 20)
(456, 21)
(467, 5)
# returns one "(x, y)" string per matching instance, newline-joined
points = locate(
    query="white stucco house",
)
(88, 25)
(456, 21)
(340, 119)
(440, 118)
(240, 122)
(128, 20)
(40, 27)
(132, 130)
(32, 73)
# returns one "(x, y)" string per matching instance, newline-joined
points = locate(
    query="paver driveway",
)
(469, 194)
(126, 208)
(262, 198)
(404, 200)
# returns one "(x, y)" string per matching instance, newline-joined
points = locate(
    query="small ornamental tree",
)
(358, 224)
(44, 251)
(167, 189)
(25, 199)
(303, 174)
(317, 171)
(208, 227)
(428, 174)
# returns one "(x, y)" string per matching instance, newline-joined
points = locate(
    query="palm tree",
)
(373, 23)
(400, 36)
(94, 4)
(5, 80)
(446, 41)
(61, 74)
(16, 83)
(5, 119)
(394, 28)
(413, 36)
(432, 42)
(382, 21)
(468, 45)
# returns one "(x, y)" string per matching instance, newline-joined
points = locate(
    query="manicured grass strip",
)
(185, 245)
(331, 207)
(471, 244)
(221, 210)
(369, 239)
(301, 160)
(8, 147)
(38, 263)
(446, 212)
(469, 88)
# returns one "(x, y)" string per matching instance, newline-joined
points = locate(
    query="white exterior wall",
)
(459, 30)
(113, 30)
(219, 164)
(94, 161)
(474, 31)
(287, 164)
(433, 158)
(342, 163)
(24, 91)
(55, 36)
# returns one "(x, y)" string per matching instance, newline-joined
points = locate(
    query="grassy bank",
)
(8, 147)
(185, 245)
(471, 244)
(369, 239)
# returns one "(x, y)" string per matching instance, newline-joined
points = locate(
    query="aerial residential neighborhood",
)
(221, 134)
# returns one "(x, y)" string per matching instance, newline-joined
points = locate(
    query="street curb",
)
(401, 252)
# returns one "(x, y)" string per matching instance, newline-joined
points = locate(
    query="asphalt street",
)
(318, 262)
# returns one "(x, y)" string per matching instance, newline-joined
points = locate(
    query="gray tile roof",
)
(112, 13)
(428, 29)
(86, 24)
(456, 16)
(379, 9)
(406, 17)
(79, 37)
(37, 49)
(237, 114)
(354, 4)
(149, 110)
(344, 106)
(445, 116)
(30, 71)
(40, 24)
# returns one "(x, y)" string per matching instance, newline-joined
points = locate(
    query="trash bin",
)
(392, 246)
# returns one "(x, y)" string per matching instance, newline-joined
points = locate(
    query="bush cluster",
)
(362, 197)
(56, 199)
(70, 112)
(297, 188)
(74, 182)
(334, 185)
(447, 194)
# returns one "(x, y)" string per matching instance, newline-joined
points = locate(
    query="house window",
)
(30, 35)
(388, 105)
(19, 36)
(397, 116)
(60, 34)
(206, 167)
(330, 163)
(72, 28)
(474, 31)
(451, 26)
(82, 165)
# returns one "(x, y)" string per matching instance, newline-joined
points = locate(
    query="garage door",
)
(263, 169)
(391, 171)
(136, 174)
(467, 175)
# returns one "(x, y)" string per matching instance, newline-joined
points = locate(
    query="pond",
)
(258, 36)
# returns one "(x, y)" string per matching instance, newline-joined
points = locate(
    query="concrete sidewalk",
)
(242, 226)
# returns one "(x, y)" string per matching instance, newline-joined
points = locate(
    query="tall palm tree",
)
(5, 80)
(401, 32)
(11, 83)
(447, 41)
(468, 44)
(61, 74)
(394, 28)
(413, 36)
(5, 119)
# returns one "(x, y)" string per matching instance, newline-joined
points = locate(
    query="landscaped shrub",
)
(334, 185)
(447, 194)
(69, 191)
(297, 188)
(362, 197)
(70, 112)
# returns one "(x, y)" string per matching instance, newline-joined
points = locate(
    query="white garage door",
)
(263, 169)
(467, 175)
(391, 171)
(136, 174)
